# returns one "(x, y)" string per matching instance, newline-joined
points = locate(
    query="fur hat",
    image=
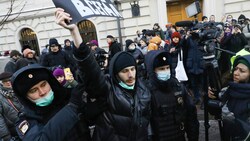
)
(27, 51)
(58, 72)
(5, 75)
(26, 77)
(53, 41)
(161, 60)
(122, 61)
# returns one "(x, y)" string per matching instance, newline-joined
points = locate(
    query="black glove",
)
(94, 109)
(76, 95)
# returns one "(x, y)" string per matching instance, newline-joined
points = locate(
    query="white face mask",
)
(131, 47)
(163, 75)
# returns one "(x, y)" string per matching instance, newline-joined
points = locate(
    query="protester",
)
(114, 46)
(175, 49)
(60, 76)
(242, 20)
(144, 46)
(51, 112)
(204, 19)
(235, 99)
(173, 113)
(57, 57)
(11, 65)
(9, 109)
(158, 31)
(128, 113)
(29, 57)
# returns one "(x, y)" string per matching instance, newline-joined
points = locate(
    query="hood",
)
(150, 59)
(239, 90)
(149, 63)
(112, 62)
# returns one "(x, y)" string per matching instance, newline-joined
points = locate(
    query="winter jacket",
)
(22, 62)
(114, 48)
(236, 100)
(8, 113)
(194, 63)
(10, 66)
(173, 113)
(54, 59)
(58, 121)
(127, 116)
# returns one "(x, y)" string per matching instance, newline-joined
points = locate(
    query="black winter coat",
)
(54, 59)
(127, 117)
(58, 121)
(114, 48)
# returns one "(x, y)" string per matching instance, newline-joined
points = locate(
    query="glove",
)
(94, 109)
(76, 95)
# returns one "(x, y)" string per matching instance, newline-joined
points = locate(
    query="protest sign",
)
(83, 9)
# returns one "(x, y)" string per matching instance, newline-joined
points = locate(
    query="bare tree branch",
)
(9, 13)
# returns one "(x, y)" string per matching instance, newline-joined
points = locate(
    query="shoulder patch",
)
(23, 127)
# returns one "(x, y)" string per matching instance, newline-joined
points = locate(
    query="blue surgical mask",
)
(122, 84)
(163, 75)
(45, 101)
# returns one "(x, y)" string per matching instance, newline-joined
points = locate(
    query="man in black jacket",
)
(128, 113)
(173, 113)
(114, 46)
(56, 56)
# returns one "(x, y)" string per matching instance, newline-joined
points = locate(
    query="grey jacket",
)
(8, 114)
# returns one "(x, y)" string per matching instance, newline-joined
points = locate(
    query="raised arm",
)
(63, 18)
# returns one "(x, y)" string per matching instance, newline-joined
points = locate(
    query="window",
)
(87, 30)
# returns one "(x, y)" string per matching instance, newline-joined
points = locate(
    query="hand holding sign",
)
(62, 18)
(82, 9)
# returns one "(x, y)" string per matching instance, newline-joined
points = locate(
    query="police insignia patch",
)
(23, 126)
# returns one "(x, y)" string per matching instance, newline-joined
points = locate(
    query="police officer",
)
(51, 112)
(173, 114)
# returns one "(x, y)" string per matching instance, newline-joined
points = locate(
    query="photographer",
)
(242, 20)
(235, 101)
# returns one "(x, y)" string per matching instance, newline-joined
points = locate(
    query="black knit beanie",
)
(122, 61)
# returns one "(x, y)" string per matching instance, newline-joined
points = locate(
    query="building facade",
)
(34, 21)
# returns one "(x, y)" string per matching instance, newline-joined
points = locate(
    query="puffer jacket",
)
(127, 116)
(8, 113)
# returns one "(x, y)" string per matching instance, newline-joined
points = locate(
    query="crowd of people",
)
(83, 92)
